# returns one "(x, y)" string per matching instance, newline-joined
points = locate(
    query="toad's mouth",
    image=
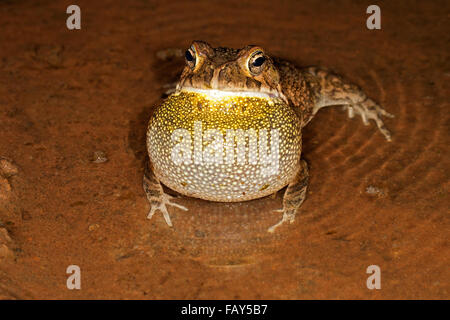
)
(220, 94)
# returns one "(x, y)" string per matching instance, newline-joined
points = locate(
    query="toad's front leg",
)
(156, 196)
(294, 196)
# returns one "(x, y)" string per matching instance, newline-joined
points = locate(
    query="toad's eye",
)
(190, 58)
(256, 62)
(259, 61)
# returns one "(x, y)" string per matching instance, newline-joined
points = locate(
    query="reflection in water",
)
(224, 234)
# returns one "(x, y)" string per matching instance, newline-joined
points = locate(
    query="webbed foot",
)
(369, 110)
(333, 90)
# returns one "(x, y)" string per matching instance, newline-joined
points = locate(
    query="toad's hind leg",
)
(294, 196)
(332, 89)
(156, 196)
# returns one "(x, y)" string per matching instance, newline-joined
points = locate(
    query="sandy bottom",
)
(71, 99)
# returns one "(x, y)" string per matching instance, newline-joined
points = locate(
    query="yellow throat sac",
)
(224, 146)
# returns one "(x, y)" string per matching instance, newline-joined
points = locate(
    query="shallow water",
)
(67, 96)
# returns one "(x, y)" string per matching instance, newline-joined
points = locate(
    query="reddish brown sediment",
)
(67, 97)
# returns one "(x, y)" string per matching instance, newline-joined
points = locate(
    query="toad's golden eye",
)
(190, 56)
(256, 62)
